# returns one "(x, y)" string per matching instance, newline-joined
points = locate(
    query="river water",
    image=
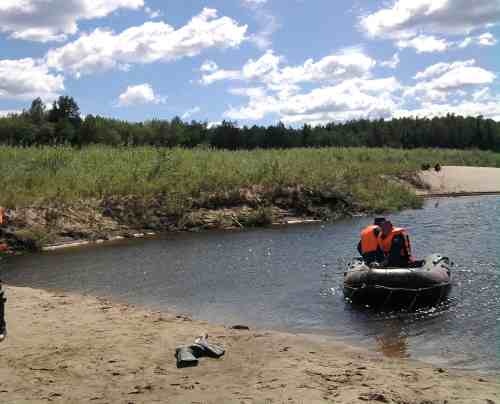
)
(290, 278)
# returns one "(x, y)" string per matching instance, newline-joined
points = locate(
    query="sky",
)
(253, 61)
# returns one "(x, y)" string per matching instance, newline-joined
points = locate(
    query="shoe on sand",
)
(185, 357)
(202, 347)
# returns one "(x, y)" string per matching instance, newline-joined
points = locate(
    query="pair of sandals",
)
(187, 356)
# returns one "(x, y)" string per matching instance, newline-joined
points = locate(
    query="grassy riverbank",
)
(106, 188)
(34, 175)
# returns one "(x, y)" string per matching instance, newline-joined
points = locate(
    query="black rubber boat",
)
(426, 285)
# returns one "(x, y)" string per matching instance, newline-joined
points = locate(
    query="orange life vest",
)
(369, 241)
(386, 242)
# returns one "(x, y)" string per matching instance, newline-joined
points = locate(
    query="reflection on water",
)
(392, 342)
(291, 279)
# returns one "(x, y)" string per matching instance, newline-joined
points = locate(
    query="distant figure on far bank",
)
(369, 246)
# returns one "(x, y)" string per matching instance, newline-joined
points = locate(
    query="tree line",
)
(62, 124)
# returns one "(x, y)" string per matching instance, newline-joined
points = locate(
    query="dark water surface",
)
(290, 279)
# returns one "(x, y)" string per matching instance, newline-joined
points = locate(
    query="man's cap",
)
(379, 220)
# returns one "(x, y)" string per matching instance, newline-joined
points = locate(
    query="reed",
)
(63, 174)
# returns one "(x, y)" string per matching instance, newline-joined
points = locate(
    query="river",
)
(290, 278)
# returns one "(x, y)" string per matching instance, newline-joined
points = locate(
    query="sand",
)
(76, 349)
(462, 180)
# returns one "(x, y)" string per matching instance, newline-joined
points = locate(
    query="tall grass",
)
(62, 174)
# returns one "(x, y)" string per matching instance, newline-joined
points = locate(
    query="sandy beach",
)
(73, 349)
(457, 180)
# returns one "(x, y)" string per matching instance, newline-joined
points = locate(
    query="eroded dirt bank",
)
(74, 349)
(48, 224)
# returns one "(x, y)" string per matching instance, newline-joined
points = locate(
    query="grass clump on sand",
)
(181, 176)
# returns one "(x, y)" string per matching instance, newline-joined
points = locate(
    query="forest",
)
(62, 124)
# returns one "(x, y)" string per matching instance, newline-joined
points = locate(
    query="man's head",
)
(386, 227)
(379, 221)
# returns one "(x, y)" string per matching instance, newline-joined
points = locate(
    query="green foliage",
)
(180, 176)
(32, 239)
(262, 216)
(62, 125)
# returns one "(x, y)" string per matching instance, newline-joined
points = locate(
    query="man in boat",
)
(395, 244)
(369, 246)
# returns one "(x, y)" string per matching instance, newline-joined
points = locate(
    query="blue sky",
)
(253, 61)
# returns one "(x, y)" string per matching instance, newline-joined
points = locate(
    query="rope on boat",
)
(399, 289)
(417, 291)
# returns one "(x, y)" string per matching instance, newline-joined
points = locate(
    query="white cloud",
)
(152, 13)
(346, 89)
(351, 63)
(190, 112)
(392, 63)
(424, 44)
(408, 18)
(353, 98)
(363, 97)
(440, 80)
(148, 43)
(220, 75)
(4, 113)
(53, 20)
(483, 94)
(268, 69)
(488, 109)
(268, 24)
(486, 39)
(28, 78)
(139, 94)
(213, 124)
(441, 68)
(209, 66)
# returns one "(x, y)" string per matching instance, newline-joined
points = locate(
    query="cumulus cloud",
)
(269, 69)
(409, 18)
(152, 13)
(53, 20)
(439, 80)
(353, 98)
(209, 66)
(486, 39)
(392, 63)
(458, 87)
(28, 78)
(4, 113)
(190, 112)
(139, 95)
(148, 43)
(424, 44)
(488, 109)
(343, 88)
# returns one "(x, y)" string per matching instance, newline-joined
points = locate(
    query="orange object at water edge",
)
(2, 215)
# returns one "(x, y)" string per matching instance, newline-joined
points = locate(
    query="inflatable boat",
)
(425, 285)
